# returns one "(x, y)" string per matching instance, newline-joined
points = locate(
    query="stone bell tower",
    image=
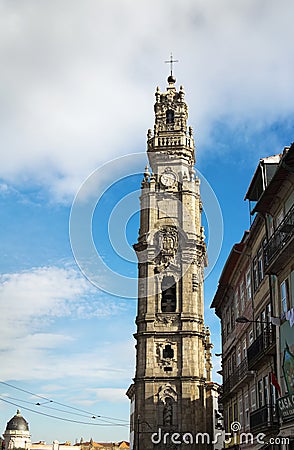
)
(173, 362)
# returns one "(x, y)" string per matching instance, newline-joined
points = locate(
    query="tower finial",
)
(171, 78)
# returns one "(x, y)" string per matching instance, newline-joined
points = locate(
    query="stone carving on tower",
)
(173, 345)
(166, 240)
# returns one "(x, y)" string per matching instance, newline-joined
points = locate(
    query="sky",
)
(77, 86)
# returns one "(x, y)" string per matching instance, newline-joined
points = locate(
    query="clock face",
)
(168, 179)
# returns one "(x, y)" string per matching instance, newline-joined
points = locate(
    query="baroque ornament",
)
(166, 319)
(167, 391)
(166, 241)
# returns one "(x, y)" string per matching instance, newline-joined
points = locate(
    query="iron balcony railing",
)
(263, 345)
(263, 417)
(240, 374)
(227, 385)
(282, 235)
(241, 371)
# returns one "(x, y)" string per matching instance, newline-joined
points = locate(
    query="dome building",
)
(17, 433)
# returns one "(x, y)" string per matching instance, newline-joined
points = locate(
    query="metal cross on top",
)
(171, 61)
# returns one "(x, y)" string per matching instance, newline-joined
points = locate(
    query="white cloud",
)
(39, 327)
(41, 292)
(77, 78)
(3, 188)
(113, 395)
(6, 190)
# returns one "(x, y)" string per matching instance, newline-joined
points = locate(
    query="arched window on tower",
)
(168, 294)
(170, 116)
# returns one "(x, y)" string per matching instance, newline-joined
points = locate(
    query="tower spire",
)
(171, 62)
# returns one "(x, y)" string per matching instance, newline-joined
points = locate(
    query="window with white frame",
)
(260, 393)
(241, 411)
(268, 312)
(244, 348)
(253, 398)
(258, 326)
(238, 355)
(266, 393)
(248, 285)
(250, 336)
(273, 394)
(285, 303)
(260, 266)
(255, 274)
(246, 408)
(270, 223)
(242, 296)
(237, 306)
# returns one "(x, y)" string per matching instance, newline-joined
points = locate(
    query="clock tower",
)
(173, 360)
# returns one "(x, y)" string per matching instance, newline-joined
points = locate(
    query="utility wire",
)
(50, 407)
(93, 415)
(63, 418)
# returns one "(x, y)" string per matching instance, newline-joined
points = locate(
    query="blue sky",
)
(77, 91)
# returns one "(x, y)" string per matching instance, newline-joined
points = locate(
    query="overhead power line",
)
(48, 400)
(63, 418)
(49, 407)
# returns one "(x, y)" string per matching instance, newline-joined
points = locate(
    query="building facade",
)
(17, 433)
(276, 204)
(173, 359)
(254, 300)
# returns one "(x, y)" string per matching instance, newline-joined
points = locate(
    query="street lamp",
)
(274, 320)
(243, 319)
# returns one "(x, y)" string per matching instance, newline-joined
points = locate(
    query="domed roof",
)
(17, 423)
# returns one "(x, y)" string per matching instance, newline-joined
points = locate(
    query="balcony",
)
(241, 373)
(236, 379)
(179, 140)
(264, 345)
(263, 418)
(280, 246)
(227, 385)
